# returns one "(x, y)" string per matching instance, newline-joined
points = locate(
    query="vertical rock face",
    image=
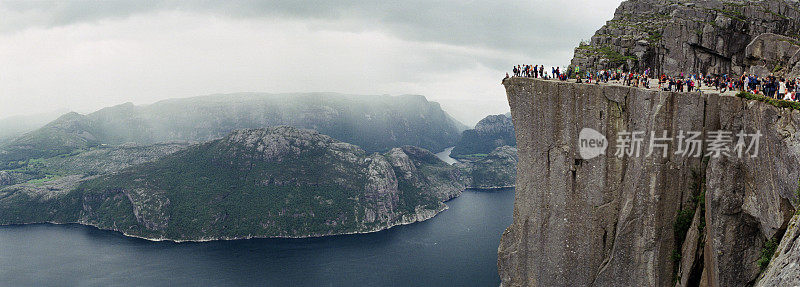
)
(643, 220)
(674, 36)
(782, 270)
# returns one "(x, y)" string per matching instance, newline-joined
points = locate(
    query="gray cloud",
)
(424, 43)
(520, 26)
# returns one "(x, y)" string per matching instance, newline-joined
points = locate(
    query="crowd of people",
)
(538, 71)
(770, 86)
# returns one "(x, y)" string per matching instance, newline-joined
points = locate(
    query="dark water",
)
(456, 248)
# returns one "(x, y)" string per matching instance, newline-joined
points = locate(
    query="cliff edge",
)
(676, 220)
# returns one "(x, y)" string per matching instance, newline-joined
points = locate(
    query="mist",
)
(83, 56)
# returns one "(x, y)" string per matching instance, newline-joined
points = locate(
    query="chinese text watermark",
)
(657, 144)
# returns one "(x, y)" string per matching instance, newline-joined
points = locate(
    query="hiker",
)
(782, 88)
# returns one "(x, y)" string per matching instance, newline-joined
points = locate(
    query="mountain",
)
(90, 162)
(709, 37)
(270, 182)
(15, 126)
(377, 123)
(64, 135)
(498, 169)
(491, 132)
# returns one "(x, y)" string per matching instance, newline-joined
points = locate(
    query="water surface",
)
(445, 156)
(456, 248)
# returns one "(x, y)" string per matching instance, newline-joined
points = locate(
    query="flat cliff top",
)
(653, 85)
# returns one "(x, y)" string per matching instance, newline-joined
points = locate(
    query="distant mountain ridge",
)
(271, 182)
(376, 123)
(15, 126)
(490, 133)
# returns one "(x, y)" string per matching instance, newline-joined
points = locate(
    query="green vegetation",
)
(683, 221)
(474, 156)
(654, 37)
(735, 4)
(498, 169)
(248, 184)
(767, 252)
(18, 207)
(614, 57)
(675, 257)
(774, 102)
(42, 180)
(733, 14)
(491, 132)
(765, 9)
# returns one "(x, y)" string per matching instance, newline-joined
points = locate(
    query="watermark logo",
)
(713, 144)
(591, 143)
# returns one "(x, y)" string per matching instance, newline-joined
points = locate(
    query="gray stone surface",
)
(782, 270)
(609, 221)
(674, 36)
(6, 178)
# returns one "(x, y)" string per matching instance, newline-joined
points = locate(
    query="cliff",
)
(273, 182)
(648, 220)
(709, 37)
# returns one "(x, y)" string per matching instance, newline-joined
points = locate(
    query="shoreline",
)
(421, 216)
(492, 188)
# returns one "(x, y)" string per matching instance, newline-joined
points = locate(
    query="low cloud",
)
(84, 55)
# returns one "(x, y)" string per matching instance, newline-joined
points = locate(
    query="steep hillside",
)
(377, 123)
(64, 135)
(15, 126)
(273, 182)
(496, 170)
(491, 132)
(708, 37)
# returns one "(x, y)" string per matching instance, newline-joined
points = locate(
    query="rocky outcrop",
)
(496, 170)
(644, 220)
(491, 132)
(783, 268)
(709, 37)
(6, 178)
(273, 182)
(770, 52)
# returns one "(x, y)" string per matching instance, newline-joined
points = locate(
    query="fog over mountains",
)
(375, 123)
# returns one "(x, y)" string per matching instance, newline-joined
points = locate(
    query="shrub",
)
(771, 101)
(767, 252)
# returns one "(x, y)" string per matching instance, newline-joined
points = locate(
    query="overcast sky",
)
(85, 55)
